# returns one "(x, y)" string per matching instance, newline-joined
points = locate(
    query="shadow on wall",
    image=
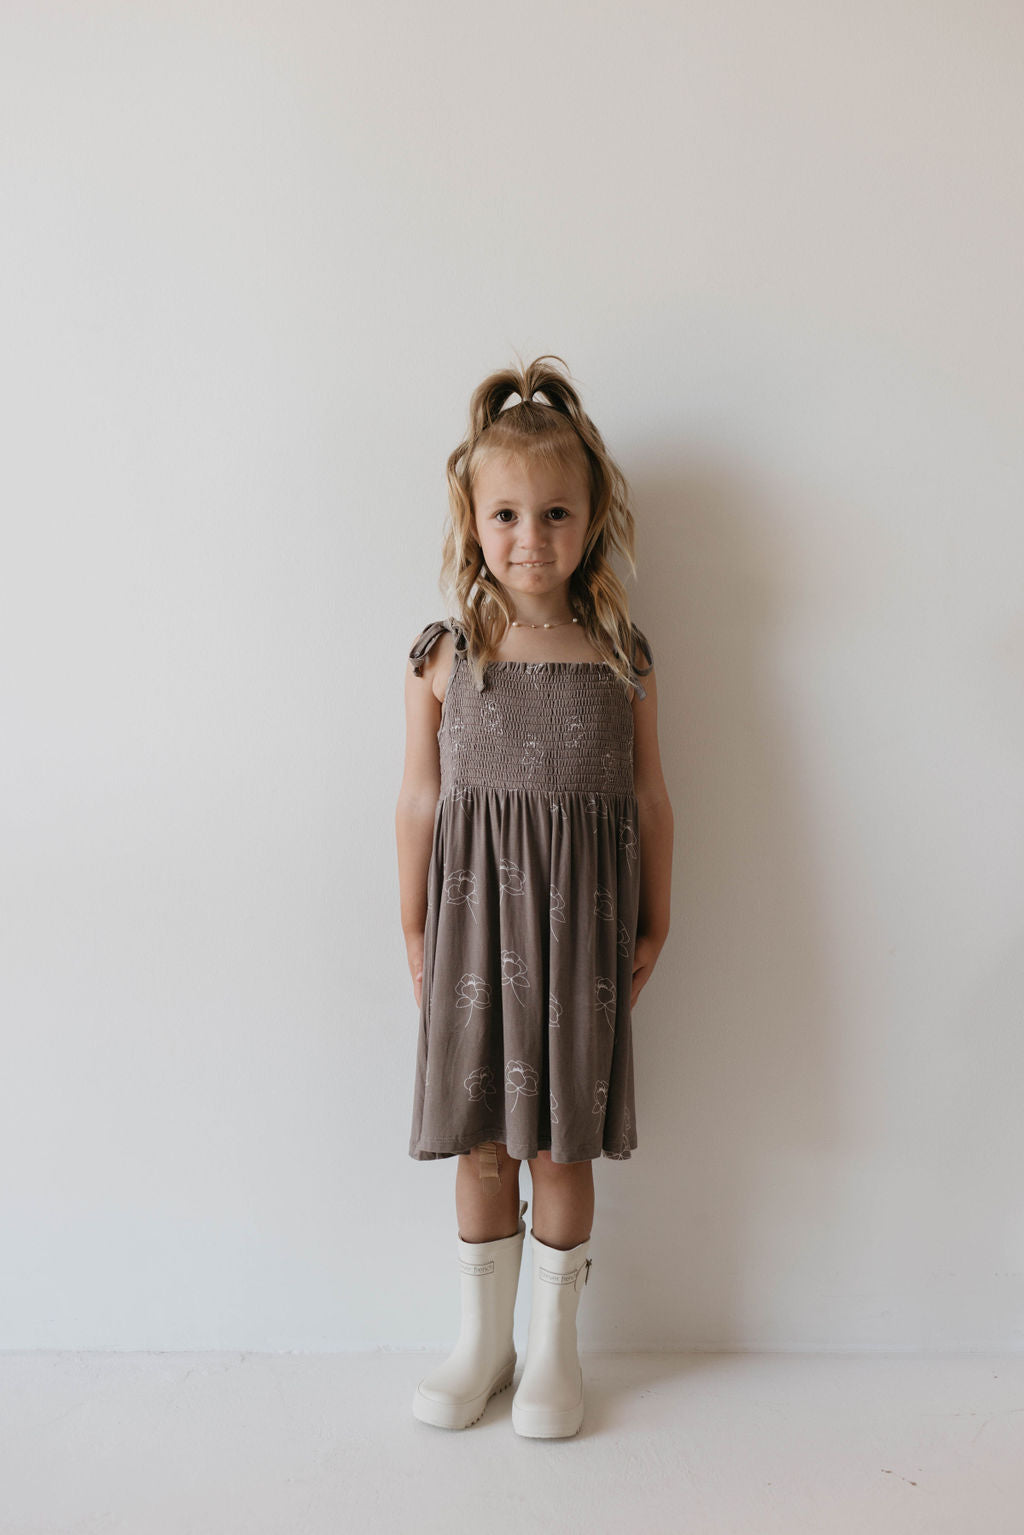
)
(735, 1071)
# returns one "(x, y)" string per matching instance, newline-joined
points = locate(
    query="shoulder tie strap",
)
(424, 643)
(641, 671)
(428, 637)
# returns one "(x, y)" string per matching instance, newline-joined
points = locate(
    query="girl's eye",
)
(560, 509)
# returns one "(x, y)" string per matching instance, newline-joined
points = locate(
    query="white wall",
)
(256, 258)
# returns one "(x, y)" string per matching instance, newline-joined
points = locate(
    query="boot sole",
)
(460, 1414)
(547, 1423)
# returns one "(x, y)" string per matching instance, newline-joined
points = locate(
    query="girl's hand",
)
(414, 949)
(645, 955)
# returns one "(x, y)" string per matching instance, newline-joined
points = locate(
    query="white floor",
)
(704, 1443)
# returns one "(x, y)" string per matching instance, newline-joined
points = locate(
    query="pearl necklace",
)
(516, 624)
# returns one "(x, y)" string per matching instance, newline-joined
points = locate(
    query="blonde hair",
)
(559, 432)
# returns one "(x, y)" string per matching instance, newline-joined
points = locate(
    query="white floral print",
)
(597, 806)
(624, 1146)
(533, 754)
(480, 1085)
(460, 889)
(627, 839)
(492, 717)
(624, 940)
(604, 903)
(557, 909)
(554, 1108)
(554, 1011)
(472, 991)
(511, 878)
(456, 733)
(574, 729)
(514, 973)
(600, 1097)
(604, 997)
(462, 795)
(520, 1078)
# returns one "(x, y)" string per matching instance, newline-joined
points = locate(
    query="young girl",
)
(534, 847)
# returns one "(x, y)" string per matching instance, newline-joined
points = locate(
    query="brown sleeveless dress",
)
(533, 893)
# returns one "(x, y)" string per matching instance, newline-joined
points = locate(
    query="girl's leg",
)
(487, 1210)
(563, 1201)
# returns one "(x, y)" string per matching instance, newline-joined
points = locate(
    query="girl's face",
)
(531, 519)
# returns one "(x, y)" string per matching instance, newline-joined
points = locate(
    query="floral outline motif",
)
(455, 732)
(514, 972)
(480, 1086)
(624, 940)
(533, 754)
(472, 991)
(557, 909)
(554, 1012)
(574, 729)
(512, 879)
(460, 889)
(520, 1078)
(462, 794)
(554, 1107)
(627, 839)
(604, 903)
(492, 717)
(604, 998)
(600, 1097)
(532, 670)
(624, 1148)
(597, 806)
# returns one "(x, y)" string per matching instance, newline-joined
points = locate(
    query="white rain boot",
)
(548, 1403)
(484, 1359)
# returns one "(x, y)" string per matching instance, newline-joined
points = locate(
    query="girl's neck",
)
(552, 608)
(566, 642)
(544, 621)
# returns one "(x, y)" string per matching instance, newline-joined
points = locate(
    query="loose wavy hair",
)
(560, 432)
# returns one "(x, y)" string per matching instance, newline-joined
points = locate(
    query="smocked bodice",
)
(556, 726)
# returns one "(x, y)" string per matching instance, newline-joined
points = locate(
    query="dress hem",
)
(454, 1146)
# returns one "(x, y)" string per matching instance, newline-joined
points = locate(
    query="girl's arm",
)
(657, 826)
(417, 799)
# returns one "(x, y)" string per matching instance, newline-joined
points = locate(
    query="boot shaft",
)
(559, 1277)
(489, 1276)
